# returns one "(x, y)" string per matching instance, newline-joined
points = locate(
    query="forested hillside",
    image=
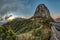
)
(36, 28)
(32, 29)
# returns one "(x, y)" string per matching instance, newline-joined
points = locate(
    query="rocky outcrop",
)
(41, 13)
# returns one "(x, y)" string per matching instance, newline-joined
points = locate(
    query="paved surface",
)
(55, 33)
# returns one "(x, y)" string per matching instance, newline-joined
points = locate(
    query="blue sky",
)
(27, 7)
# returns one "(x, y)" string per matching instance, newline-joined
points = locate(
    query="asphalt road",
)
(55, 32)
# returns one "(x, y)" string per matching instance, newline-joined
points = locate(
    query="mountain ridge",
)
(37, 29)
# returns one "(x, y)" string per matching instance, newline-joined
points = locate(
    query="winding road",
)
(55, 33)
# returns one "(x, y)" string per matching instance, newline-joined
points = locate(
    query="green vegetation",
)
(6, 33)
(26, 30)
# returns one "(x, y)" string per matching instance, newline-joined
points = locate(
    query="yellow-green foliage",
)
(7, 33)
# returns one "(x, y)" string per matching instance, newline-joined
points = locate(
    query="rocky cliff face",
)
(41, 13)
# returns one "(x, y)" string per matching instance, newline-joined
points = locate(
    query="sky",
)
(26, 8)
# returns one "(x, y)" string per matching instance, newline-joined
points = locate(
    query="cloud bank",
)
(17, 6)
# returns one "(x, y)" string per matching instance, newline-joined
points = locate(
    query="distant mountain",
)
(3, 22)
(1, 19)
(57, 19)
(19, 19)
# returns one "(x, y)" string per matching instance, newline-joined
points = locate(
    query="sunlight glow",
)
(11, 18)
